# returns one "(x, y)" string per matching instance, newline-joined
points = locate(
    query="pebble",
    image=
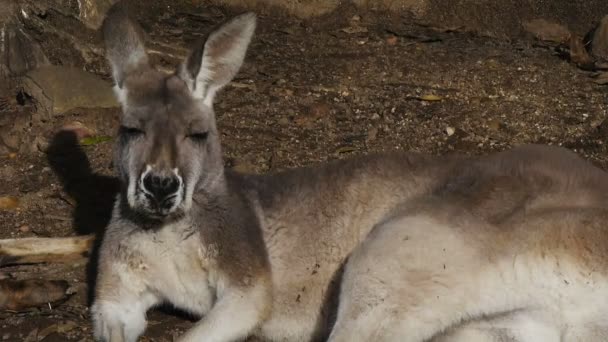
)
(79, 129)
(318, 110)
(372, 134)
(392, 40)
(450, 131)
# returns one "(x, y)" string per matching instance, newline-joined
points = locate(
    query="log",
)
(45, 250)
(22, 294)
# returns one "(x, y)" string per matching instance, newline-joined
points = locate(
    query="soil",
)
(310, 91)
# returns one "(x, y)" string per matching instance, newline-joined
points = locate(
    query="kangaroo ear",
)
(213, 65)
(124, 48)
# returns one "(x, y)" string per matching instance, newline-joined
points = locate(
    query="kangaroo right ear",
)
(124, 48)
(213, 65)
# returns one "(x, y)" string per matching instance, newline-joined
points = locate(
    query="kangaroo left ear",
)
(212, 66)
(124, 48)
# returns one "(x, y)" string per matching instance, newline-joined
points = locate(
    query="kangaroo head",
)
(168, 146)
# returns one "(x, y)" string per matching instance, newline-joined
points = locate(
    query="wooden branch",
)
(44, 250)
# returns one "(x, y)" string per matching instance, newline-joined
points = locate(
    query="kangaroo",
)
(388, 247)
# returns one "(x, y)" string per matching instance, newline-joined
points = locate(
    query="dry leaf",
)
(47, 331)
(430, 97)
(244, 166)
(32, 336)
(345, 149)
(579, 55)
(9, 202)
(602, 79)
(601, 66)
(66, 326)
(242, 85)
(354, 29)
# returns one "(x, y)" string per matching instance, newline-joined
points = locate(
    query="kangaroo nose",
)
(161, 187)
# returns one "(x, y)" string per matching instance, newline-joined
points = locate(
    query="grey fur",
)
(263, 255)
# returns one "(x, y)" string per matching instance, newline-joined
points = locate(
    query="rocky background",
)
(324, 79)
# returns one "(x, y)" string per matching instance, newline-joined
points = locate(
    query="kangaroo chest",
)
(176, 266)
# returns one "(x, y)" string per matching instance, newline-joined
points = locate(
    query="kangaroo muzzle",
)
(162, 190)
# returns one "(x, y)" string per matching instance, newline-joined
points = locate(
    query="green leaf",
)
(95, 140)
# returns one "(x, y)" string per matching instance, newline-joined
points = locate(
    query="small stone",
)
(24, 229)
(392, 40)
(40, 144)
(14, 131)
(318, 110)
(375, 117)
(80, 130)
(450, 131)
(548, 31)
(579, 54)
(313, 113)
(372, 134)
(92, 12)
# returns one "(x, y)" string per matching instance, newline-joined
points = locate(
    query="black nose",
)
(161, 187)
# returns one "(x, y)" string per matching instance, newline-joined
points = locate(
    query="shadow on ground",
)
(94, 194)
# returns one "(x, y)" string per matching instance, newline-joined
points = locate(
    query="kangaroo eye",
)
(131, 131)
(199, 136)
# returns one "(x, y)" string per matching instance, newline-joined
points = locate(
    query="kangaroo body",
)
(399, 247)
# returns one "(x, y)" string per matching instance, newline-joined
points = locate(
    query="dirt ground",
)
(310, 91)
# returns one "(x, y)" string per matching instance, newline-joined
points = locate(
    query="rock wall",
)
(493, 17)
